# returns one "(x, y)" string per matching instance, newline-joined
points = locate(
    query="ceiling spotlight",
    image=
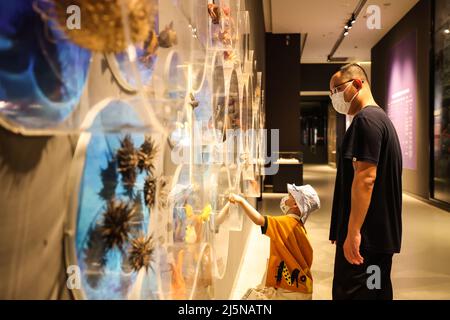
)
(346, 33)
(447, 31)
(353, 19)
(346, 27)
(349, 26)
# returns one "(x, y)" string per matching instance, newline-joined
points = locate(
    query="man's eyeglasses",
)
(335, 89)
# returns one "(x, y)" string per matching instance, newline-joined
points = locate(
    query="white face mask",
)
(339, 103)
(283, 206)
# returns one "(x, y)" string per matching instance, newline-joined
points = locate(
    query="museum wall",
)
(283, 90)
(238, 239)
(47, 179)
(34, 173)
(316, 76)
(31, 233)
(417, 19)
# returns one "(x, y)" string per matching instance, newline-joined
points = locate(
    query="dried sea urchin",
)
(127, 161)
(140, 253)
(146, 155)
(149, 191)
(117, 223)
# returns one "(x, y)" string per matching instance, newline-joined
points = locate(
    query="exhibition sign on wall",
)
(402, 96)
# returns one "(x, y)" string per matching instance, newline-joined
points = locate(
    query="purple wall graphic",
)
(402, 96)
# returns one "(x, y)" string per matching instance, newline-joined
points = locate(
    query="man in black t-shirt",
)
(366, 223)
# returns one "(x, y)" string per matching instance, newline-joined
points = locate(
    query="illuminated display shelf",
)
(155, 157)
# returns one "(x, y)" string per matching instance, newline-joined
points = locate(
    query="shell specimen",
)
(102, 28)
(168, 37)
(146, 155)
(127, 161)
(117, 223)
(194, 102)
(214, 13)
(149, 191)
(225, 38)
(229, 55)
(140, 253)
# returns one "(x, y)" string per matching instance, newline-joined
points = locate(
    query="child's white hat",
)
(180, 192)
(306, 199)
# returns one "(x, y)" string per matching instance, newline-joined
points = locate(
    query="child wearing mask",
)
(288, 275)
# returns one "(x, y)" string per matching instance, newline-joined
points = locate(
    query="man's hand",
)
(351, 248)
(362, 186)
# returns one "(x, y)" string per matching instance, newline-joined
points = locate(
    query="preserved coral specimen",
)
(117, 223)
(140, 253)
(178, 284)
(214, 13)
(102, 28)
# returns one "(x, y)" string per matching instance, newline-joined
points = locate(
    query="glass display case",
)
(42, 74)
(168, 110)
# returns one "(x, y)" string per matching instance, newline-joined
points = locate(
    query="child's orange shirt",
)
(291, 254)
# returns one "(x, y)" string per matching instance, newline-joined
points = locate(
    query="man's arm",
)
(363, 181)
(251, 212)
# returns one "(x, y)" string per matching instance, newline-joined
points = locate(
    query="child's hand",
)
(235, 199)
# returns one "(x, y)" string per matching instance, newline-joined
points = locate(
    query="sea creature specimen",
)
(117, 223)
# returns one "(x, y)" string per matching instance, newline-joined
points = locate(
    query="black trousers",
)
(369, 281)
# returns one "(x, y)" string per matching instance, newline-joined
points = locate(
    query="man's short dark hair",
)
(354, 70)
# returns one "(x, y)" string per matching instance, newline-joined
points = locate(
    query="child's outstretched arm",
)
(251, 212)
(222, 214)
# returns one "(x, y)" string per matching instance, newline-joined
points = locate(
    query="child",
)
(289, 268)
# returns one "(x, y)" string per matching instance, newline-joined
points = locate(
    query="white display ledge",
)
(287, 161)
